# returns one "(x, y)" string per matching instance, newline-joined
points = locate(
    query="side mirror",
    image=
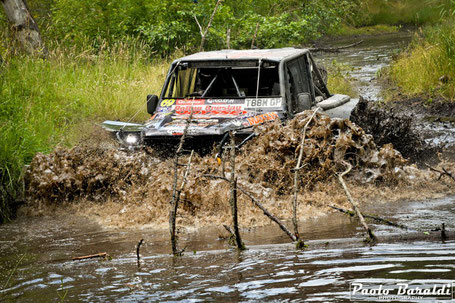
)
(304, 102)
(152, 103)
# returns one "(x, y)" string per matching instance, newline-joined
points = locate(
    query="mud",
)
(126, 189)
(390, 126)
(419, 130)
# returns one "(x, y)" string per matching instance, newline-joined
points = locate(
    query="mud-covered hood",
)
(208, 116)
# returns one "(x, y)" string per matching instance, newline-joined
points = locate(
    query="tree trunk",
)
(24, 26)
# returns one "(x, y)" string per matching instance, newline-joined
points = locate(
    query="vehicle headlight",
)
(132, 139)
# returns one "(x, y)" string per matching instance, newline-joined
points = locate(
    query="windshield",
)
(223, 82)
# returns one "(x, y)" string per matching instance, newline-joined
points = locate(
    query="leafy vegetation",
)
(339, 80)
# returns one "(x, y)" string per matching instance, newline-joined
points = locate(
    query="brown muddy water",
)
(36, 252)
(269, 270)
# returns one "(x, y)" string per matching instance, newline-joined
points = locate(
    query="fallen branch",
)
(176, 192)
(231, 237)
(376, 218)
(259, 205)
(229, 229)
(137, 252)
(233, 199)
(296, 178)
(442, 173)
(334, 49)
(370, 235)
(98, 255)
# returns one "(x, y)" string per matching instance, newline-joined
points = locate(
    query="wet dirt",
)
(127, 189)
(390, 126)
(426, 125)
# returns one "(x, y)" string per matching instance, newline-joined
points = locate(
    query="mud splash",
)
(390, 126)
(129, 189)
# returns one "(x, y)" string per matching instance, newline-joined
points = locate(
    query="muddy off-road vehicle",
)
(232, 90)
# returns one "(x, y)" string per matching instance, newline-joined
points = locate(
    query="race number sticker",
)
(263, 103)
(167, 102)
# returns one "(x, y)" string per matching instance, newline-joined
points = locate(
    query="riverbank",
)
(433, 52)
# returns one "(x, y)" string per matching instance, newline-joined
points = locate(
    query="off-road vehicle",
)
(232, 90)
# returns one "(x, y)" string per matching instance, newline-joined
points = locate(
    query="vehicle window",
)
(299, 75)
(232, 82)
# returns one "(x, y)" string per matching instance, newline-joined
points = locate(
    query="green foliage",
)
(168, 25)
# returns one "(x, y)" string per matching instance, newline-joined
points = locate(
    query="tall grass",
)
(45, 103)
(428, 66)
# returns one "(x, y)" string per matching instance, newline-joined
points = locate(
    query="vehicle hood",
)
(208, 116)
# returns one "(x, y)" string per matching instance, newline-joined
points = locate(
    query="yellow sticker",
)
(167, 102)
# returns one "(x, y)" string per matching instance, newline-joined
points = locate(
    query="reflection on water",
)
(210, 271)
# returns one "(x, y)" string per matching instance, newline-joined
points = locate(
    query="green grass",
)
(339, 80)
(45, 103)
(430, 56)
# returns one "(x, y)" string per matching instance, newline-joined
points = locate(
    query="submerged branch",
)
(376, 218)
(259, 205)
(334, 49)
(442, 173)
(370, 234)
(98, 255)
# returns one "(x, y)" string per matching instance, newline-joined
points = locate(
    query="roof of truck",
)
(276, 54)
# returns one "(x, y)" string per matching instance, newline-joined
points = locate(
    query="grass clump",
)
(340, 80)
(46, 103)
(428, 65)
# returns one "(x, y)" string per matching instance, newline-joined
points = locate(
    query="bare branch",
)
(199, 25)
(296, 175)
(259, 205)
(370, 234)
(206, 30)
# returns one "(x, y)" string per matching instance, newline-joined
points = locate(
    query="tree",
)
(24, 27)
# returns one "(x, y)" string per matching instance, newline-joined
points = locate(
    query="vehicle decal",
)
(259, 119)
(167, 102)
(190, 102)
(211, 110)
(225, 101)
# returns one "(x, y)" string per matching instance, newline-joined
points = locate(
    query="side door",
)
(299, 91)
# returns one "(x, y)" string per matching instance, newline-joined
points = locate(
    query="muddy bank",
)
(421, 131)
(129, 189)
